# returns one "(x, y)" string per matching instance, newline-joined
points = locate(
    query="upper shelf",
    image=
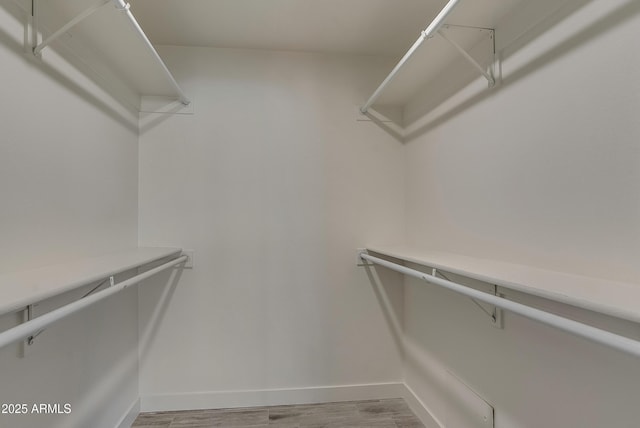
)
(436, 70)
(617, 299)
(467, 20)
(110, 41)
(19, 289)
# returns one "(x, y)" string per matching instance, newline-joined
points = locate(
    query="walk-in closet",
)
(330, 213)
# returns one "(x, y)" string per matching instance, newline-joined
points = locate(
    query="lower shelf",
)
(617, 299)
(19, 289)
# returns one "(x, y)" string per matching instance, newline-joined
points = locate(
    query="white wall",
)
(266, 181)
(68, 175)
(544, 172)
(274, 184)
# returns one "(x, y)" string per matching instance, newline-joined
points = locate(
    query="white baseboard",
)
(274, 397)
(130, 415)
(271, 397)
(420, 409)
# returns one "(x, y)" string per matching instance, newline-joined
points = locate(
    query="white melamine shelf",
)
(19, 289)
(617, 299)
(106, 43)
(468, 26)
(488, 31)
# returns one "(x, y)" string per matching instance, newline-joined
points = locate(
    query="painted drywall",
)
(542, 171)
(274, 184)
(68, 189)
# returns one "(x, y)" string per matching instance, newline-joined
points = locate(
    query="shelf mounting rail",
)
(429, 32)
(594, 334)
(33, 326)
(124, 7)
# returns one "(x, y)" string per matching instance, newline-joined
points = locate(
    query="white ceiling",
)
(373, 27)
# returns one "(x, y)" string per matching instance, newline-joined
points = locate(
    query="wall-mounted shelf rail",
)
(21, 290)
(607, 297)
(119, 54)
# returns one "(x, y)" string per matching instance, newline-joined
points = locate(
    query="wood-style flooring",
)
(392, 413)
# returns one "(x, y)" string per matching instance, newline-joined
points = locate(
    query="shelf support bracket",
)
(100, 284)
(80, 17)
(32, 42)
(28, 317)
(29, 310)
(488, 74)
(494, 313)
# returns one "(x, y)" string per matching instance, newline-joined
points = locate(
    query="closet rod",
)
(428, 33)
(594, 334)
(28, 328)
(123, 6)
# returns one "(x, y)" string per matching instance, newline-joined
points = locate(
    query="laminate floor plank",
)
(390, 413)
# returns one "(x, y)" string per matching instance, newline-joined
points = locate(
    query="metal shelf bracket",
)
(29, 315)
(488, 72)
(493, 312)
(38, 47)
(29, 312)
